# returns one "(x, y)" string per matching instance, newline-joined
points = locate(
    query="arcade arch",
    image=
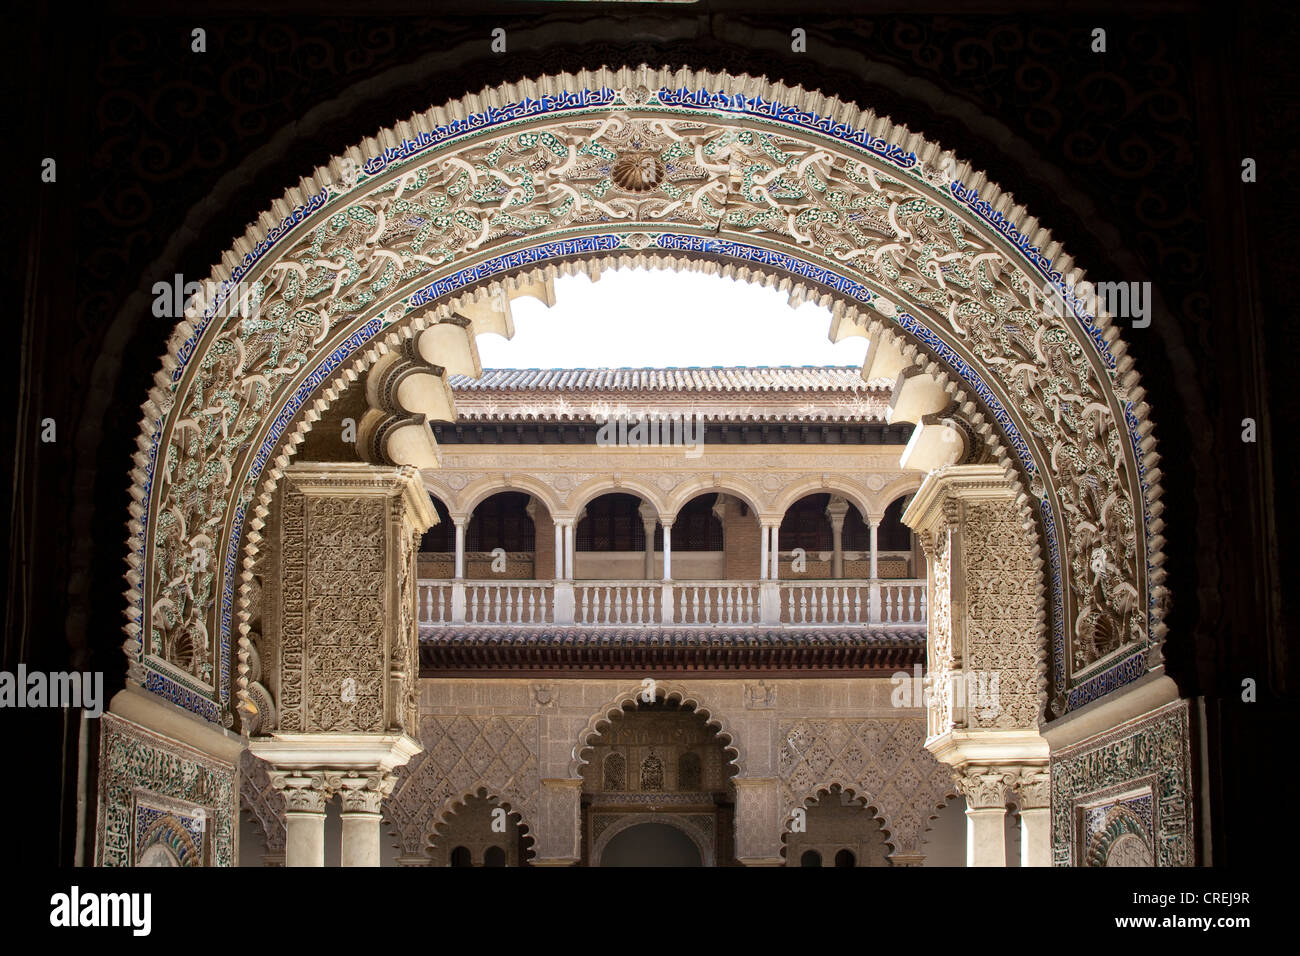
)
(913, 250)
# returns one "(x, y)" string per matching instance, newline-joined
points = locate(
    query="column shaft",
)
(875, 570)
(361, 837)
(668, 551)
(649, 570)
(1035, 836)
(460, 548)
(569, 568)
(986, 836)
(304, 838)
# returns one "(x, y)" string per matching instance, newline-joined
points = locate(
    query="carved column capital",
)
(365, 792)
(649, 516)
(303, 792)
(985, 788)
(1033, 785)
(836, 510)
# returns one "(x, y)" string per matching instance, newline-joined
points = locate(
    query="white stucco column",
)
(305, 796)
(309, 768)
(774, 572)
(461, 522)
(986, 791)
(836, 510)
(648, 521)
(1034, 786)
(559, 550)
(763, 531)
(568, 551)
(668, 550)
(362, 798)
(875, 528)
(874, 590)
(459, 602)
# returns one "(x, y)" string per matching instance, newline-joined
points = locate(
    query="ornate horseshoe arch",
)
(910, 246)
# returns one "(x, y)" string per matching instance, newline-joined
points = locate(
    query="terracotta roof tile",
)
(816, 378)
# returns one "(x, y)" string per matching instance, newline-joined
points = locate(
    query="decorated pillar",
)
(648, 521)
(836, 510)
(874, 573)
(348, 667)
(769, 592)
(559, 550)
(668, 549)
(986, 791)
(1033, 787)
(570, 549)
(875, 549)
(758, 821)
(986, 628)
(362, 796)
(461, 522)
(305, 796)
(558, 836)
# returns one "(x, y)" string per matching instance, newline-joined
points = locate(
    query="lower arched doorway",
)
(657, 790)
(650, 844)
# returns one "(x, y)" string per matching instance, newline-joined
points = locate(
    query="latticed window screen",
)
(806, 526)
(612, 524)
(688, 771)
(696, 528)
(652, 773)
(501, 522)
(615, 773)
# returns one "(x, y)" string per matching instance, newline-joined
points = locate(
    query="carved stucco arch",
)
(817, 791)
(666, 691)
(452, 805)
(876, 805)
(856, 493)
(466, 499)
(228, 391)
(899, 488)
(591, 489)
(734, 485)
(703, 842)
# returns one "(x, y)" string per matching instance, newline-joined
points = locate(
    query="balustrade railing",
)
(716, 602)
(617, 602)
(504, 602)
(902, 602)
(797, 603)
(825, 602)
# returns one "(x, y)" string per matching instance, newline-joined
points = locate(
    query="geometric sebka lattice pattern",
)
(461, 755)
(882, 761)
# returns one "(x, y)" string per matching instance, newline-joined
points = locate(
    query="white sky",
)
(637, 318)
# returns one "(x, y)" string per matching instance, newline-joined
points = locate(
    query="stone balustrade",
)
(802, 603)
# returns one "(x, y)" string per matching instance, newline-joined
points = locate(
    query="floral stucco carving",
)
(843, 203)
